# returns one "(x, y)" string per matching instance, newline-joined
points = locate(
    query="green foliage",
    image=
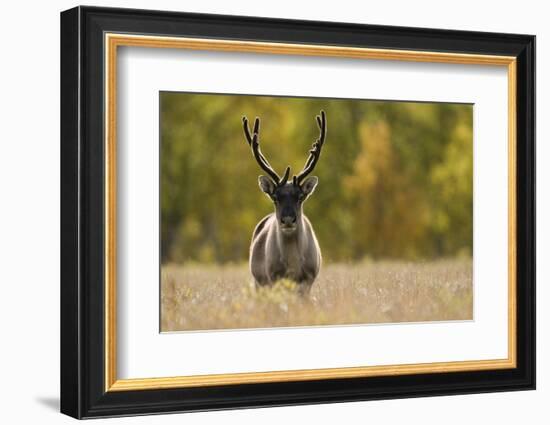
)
(395, 177)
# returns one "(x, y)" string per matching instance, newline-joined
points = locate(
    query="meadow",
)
(202, 297)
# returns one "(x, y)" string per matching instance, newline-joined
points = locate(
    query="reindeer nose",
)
(289, 220)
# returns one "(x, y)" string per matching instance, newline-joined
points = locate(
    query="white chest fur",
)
(292, 259)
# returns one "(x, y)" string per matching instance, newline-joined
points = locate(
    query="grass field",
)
(223, 297)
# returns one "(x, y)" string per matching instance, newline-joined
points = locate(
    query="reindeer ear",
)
(309, 184)
(267, 185)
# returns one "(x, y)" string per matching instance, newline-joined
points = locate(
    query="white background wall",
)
(29, 211)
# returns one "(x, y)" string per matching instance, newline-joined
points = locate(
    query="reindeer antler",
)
(254, 143)
(315, 151)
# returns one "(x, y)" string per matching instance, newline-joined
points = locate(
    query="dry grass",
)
(216, 297)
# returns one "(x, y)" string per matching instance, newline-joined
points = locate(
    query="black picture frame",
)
(83, 392)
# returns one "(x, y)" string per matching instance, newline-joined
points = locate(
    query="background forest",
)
(395, 178)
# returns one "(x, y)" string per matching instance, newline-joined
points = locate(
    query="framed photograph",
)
(260, 212)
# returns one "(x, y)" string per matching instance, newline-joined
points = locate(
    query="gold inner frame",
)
(113, 41)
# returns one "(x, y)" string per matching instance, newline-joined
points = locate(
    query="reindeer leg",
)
(304, 288)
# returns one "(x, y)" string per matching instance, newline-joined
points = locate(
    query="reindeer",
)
(284, 243)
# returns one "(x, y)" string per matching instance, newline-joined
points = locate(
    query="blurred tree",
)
(395, 177)
(388, 205)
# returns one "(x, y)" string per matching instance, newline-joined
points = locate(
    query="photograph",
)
(285, 210)
(292, 211)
